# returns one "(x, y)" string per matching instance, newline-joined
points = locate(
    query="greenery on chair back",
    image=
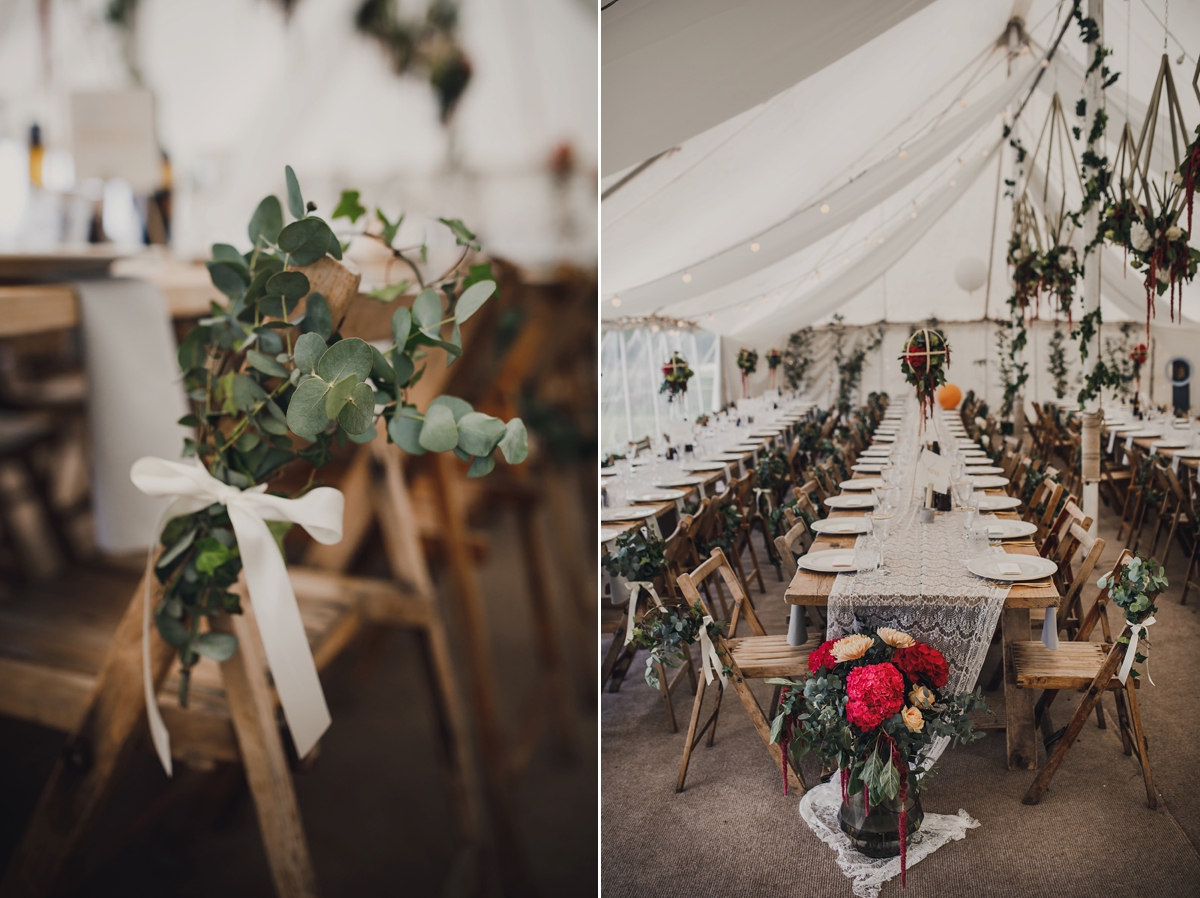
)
(269, 388)
(638, 556)
(1133, 590)
(665, 631)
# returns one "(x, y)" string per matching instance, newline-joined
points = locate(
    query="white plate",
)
(609, 474)
(727, 457)
(1000, 567)
(1188, 453)
(998, 503)
(704, 466)
(765, 434)
(866, 468)
(1172, 444)
(841, 526)
(980, 457)
(989, 482)
(984, 469)
(680, 481)
(659, 496)
(747, 447)
(1006, 529)
(829, 561)
(862, 483)
(625, 513)
(1141, 434)
(877, 450)
(607, 533)
(864, 501)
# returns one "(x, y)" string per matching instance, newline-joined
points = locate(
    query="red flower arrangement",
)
(872, 705)
(1139, 354)
(923, 364)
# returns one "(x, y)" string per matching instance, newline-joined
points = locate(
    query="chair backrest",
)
(679, 551)
(718, 565)
(1060, 543)
(637, 447)
(1040, 495)
(792, 544)
(1050, 513)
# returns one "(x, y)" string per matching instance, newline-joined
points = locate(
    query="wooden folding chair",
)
(744, 497)
(1089, 667)
(1177, 508)
(753, 657)
(1070, 611)
(790, 546)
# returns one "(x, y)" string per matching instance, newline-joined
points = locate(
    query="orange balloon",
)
(949, 396)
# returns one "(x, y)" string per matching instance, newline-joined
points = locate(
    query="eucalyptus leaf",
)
(295, 198)
(405, 433)
(458, 407)
(455, 340)
(318, 319)
(481, 466)
(265, 364)
(474, 297)
(305, 241)
(381, 371)
(306, 412)
(181, 546)
(401, 325)
(269, 341)
(217, 646)
(290, 285)
(427, 310)
(338, 395)
(439, 433)
(367, 435)
(172, 631)
(246, 392)
(350, 356)
(478, 433)
(335, 246)
(223, 252)
(403, 365)
(356, 415)
(229, 279)
(309, 349)
(515, 444)
(267, 221)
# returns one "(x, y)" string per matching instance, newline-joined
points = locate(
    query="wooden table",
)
(810, 588)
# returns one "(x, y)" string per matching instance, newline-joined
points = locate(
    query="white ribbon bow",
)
(759, 492)
(708, 654)
(284, 640)
(1131, 651)
(635, 587)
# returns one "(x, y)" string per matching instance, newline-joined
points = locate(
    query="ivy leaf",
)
(356, 415)
(462, 234)
(267, 221)
(474, 297)
(477, 273)
(295, 198)
(478, 433)
(390, 292)
(212, 554)
(318, 319)
(351, 356)
(309, 349)
(439, 433)
(218, 646)
(265, 364)
(405, 431)
(305, 241)
(389, 229)
(338, 395)
(349, 207)
(306, 412)
(514, 446)
(427, 310)
(481, 466)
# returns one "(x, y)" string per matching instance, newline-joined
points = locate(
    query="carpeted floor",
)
(733, 833)
(375, 804)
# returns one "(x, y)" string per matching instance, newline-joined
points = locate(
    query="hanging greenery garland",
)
(676, 375)
(923, 363)
(774, 360)
(747, 361)
(798, 358)
(1058, 363)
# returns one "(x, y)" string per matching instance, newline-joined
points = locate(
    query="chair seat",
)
(1073, 665)
(771, 656)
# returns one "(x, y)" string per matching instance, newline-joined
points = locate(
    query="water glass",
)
(962, 490)
(890, 474)
(866, 557)
(977, 543)
(957, 469)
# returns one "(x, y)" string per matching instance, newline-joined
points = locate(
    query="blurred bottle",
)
(36, 154)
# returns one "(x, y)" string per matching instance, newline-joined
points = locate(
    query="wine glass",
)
(881, 522)
(866, 557)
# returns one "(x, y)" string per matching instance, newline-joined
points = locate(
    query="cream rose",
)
(913, 719)
(921, 697)
(1174, 232)
(1140, 237)
(851, 648)
(897, 639)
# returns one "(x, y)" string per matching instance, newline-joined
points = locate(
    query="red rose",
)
(875, 692)
(821, 658)
(920, 661)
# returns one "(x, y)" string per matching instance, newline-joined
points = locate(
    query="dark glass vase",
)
(877, 834)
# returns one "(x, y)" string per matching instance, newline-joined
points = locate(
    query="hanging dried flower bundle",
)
(676, 375)
(923, 363)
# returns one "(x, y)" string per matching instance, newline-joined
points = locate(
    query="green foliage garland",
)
(638, 556)
(1133, 590)
(666, 630)
(798, 358)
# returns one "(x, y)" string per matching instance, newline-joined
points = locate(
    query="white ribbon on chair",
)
(635, 589)
(1131, 651)
(759, 492)
(284, 640)
(708, 654)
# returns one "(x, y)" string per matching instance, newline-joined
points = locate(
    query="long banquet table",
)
(810, 588)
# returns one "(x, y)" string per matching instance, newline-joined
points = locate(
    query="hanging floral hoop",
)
(923, 363)
(774, 360)
(747, 361)
(676, 375)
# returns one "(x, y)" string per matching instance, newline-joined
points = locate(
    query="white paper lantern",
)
(970, 273)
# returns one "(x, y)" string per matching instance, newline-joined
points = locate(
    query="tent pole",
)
(625, 385)
(1090, 461)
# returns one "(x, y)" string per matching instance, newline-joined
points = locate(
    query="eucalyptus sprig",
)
(1133, 588)
(270, 387)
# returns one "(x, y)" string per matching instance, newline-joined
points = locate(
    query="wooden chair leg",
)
(252, 711)
(697, 703)
(712, 720)
(614, 650)
(795, 780)
(1140, 743)
(664, 687)
(85, 773)
(1187, 579)
(754, 559)
(1123, 722)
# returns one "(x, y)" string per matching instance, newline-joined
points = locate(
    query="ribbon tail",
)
(1135, 631)
(709, 656)
(158, 729)
(284, 639)
(634, 589)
